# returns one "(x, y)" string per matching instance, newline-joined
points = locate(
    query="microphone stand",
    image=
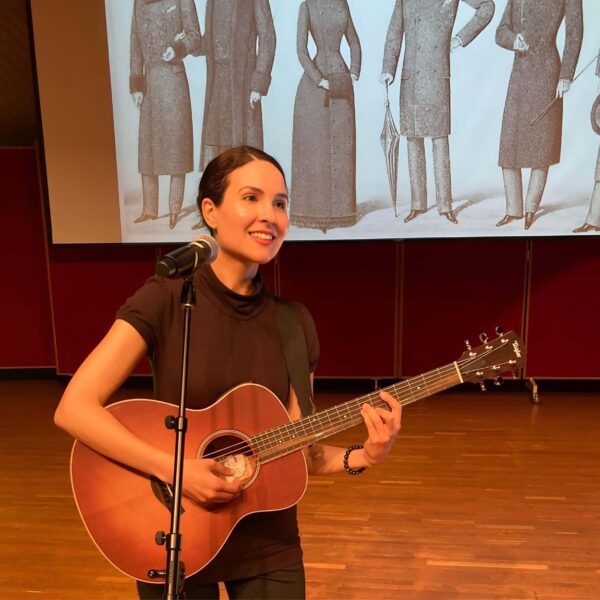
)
(175, 570)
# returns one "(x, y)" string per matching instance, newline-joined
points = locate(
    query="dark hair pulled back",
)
(215, 178)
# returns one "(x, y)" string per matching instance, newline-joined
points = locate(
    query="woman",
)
(243, 200)
(531, 133)
(324, 138)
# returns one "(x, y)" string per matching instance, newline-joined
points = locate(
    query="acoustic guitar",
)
(249, 430)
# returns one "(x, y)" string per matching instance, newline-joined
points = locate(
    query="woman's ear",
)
(209, 211)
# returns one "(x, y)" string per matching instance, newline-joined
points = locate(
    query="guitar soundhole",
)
(233, 451)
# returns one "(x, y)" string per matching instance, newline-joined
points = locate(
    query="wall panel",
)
(564, 309)
(350, 289)
(25, 315)
(89, 283)
(454, 290)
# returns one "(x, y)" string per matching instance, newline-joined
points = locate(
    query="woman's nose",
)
(267, 212)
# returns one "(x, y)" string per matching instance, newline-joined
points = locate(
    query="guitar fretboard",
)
(273, 443)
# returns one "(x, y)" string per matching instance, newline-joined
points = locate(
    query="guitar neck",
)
(274, 443)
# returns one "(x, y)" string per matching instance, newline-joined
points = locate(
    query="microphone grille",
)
(207, 241)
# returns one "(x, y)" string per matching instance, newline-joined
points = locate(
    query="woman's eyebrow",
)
(250, 188)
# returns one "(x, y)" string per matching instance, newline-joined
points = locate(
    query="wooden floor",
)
(484, 496)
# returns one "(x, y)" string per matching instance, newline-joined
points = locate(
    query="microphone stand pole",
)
(175, 569)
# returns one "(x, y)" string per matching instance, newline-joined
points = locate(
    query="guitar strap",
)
(293, 340)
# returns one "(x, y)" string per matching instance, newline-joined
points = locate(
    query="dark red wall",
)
(351, 291)
(563, 325)
(26, 338)
(383, 309)
(455, 290)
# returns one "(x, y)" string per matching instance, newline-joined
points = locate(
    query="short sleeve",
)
(312, 339)
(145, 310)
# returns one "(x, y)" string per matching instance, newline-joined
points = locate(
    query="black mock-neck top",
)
(234, 339)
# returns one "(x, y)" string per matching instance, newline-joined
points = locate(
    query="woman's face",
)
(252, 219)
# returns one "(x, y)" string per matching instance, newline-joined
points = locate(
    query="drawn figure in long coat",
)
(239, 44)
(163, 32)
(426, 26)
(592, 221)
(323, 189)
(530, 138)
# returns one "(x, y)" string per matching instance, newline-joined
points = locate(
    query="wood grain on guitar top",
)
(122, 512)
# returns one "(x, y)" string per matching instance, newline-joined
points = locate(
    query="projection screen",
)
(489, 112)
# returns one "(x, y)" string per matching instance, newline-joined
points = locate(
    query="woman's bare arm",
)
(81, 412)
(81, 409)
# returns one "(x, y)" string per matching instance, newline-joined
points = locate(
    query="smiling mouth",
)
(262, 236)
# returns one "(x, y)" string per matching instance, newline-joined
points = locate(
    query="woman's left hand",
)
(383, 427)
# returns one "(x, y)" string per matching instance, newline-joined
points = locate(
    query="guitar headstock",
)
(493, 358)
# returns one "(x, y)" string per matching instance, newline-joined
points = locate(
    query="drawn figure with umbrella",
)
(532, 122)
(592, 221)
(426, 26)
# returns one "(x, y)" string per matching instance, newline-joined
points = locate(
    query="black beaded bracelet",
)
(348, 468)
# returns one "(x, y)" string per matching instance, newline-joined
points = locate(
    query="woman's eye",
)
(250, 197)
(281, 204)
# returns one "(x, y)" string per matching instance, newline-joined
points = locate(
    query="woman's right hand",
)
(204, 481)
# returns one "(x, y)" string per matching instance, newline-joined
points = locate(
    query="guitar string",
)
(321, 417)
(262, 441)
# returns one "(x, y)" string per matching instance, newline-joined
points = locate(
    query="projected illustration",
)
(391, 119)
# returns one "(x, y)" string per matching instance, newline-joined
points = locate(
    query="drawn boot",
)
(529, 218)
(450, 216)
(176, 191)
(535, 191)
(585, 228)
(413, 214)
(149, 198)
(507, 219)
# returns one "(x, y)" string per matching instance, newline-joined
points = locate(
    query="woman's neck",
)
(234, 274)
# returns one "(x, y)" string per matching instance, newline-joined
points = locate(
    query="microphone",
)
(185, 260)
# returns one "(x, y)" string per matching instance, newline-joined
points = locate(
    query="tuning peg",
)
(468, 344)
(482, 386)
(499, 330)
(483, 337)
(498, 381)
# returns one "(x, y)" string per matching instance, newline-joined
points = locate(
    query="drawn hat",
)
(595, 116)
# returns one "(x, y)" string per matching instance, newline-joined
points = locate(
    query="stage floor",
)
(484, 496)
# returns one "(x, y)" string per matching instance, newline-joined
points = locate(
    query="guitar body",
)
(123, 509)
